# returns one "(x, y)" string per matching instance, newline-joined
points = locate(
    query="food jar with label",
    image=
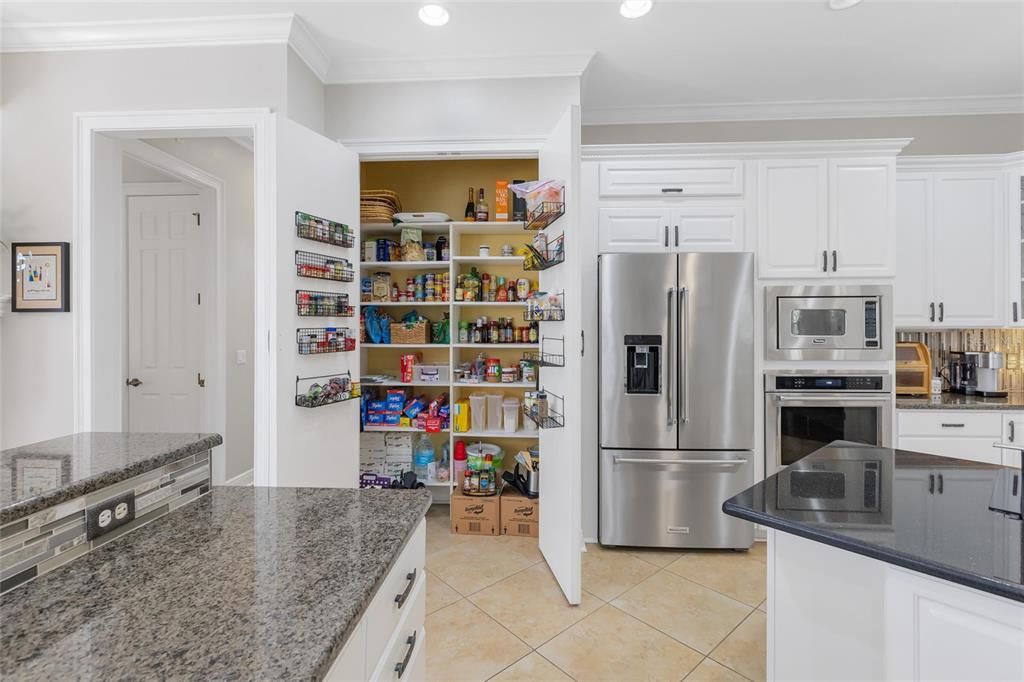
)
(492, 373)
(509, 375)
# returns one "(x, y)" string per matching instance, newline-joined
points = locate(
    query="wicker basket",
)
(416, 332)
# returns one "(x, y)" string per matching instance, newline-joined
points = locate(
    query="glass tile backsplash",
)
(1009, 342)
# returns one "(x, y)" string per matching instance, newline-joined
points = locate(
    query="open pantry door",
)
(316, 446)
(561, 529)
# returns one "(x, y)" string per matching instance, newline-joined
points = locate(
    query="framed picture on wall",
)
(41, 277)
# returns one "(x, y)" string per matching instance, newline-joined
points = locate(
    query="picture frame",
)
(40, 277)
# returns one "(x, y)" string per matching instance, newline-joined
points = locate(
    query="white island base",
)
(836, 615)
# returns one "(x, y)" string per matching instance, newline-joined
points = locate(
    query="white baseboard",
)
(588, 541)
(242, 479)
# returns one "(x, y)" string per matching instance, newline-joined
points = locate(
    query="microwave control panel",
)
(832, 382)
(871, 323)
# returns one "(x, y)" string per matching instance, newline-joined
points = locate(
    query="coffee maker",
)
(975, 373)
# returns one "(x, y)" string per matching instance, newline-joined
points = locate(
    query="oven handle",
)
(834, 398)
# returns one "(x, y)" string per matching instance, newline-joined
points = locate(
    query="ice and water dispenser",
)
(643, 364)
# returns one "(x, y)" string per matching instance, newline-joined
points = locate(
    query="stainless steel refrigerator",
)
(676, 397)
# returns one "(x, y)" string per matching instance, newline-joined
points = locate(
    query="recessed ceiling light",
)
(434, 15)
(842, 4)
(634, 9)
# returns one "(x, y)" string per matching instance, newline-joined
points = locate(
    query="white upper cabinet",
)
(792, 218)
(708, 228)
(820, 218)
(949, 232)
(634, 230)
(665, 229)
(1015, 242)
(860, 242)
(686, 178)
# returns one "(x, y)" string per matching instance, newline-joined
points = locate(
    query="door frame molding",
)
(257, 122)
(194, 182)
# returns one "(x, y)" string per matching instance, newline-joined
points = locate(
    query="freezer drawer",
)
(657, 498)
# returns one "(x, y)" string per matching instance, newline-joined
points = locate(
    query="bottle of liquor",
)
(470, 208)
(482, 211)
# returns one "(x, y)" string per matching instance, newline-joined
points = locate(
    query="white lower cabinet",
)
(693, 227)
(963, 434)
(388, 642)
(1013, 434)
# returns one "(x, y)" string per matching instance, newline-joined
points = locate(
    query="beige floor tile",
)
(759, 551)
(464, 643)
(763, 606)
(611, 645)
(745, 650)
(524, 547)
(710, 671)
(439, 595)
(734, 574)
(531, 605)
(607, 573)
(471, 566)
(696, 616)
(531, 668)
(659, 557)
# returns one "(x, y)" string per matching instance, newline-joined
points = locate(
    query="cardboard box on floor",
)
(520, 515)
(475, 515)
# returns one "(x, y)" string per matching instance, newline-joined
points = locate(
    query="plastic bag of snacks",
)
(538, 191)
(412, 244)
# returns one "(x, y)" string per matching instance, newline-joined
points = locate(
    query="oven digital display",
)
(828, 382)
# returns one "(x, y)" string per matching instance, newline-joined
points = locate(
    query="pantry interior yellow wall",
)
(441, 185)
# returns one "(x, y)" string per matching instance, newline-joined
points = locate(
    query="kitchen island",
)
(890, 565)
(245, 583)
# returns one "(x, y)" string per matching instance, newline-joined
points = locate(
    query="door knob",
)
(133, 382)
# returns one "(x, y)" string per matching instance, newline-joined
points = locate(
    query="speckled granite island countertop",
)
(244, 583)
(35, 477)
(1014, 400)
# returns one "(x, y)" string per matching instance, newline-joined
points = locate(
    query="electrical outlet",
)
(104, 517)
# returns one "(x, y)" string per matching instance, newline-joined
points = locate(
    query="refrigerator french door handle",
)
(684, 362)
(709, 462)
(669, 365)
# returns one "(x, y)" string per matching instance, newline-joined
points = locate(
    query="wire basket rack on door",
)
(322, 230)
(546, 256)
(316, 340)
(326, 389)
(322, 304)
(544, 408)
(319, 266)
(550, 354)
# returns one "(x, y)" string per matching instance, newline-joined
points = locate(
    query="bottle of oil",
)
(482, 210)
(470, 215)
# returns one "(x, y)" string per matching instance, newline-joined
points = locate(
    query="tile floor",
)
(494, 612)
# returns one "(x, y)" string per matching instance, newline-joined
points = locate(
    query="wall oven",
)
(808, 410)
(829, 323)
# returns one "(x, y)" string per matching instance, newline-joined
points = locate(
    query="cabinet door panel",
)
(1015, 245)
(635, 230)
(708, 228)
(859, 204)
(972, 449)
(792, 218)
(682, 178)
(912, 215)
(967, 245)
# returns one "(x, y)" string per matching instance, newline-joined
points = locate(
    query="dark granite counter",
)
(35, 477)
(244, 583)
(956, 401)
(928, 514)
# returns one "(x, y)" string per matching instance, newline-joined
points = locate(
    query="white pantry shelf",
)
(405, 384)
(404, 345)
(497, 434)
(490, 304)
(486, 384)
(405, 265)
(495, 346)
(436, 304)
(489, 260)
(398, 429)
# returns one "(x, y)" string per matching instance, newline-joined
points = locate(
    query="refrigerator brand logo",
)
(523, 511)
(475, 509)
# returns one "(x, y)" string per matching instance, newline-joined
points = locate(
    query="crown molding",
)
(257, 29)
(430, 149)
(749, 150)
(957, 162)
(796, 110)
(463, 67)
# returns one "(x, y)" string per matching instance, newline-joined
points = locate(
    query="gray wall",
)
(989, 134)
(305, 94)
(40, 93)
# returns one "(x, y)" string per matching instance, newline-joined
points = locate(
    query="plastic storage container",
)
(494, 412)
(510, 406)
(476, 452)
(459, 462)
(478, 411)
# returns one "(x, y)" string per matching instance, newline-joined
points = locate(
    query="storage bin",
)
(416, 332)
(478, 411)
(510, 406)
(433, 374)
(494, 413)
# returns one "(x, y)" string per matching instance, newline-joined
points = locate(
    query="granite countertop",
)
(1014, 400)
(932, 513)
(244, 583)
(34, 477)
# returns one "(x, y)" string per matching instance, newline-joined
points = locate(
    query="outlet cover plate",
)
(109, 515)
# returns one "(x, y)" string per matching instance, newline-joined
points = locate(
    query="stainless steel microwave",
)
(829, 323)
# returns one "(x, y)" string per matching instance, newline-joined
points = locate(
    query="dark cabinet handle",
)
(677, 235)
(132, 382)
(671, 190)
(931, 484)
(401, 666)
(952, 426)
(666, 235)
(401, 598)
(940, 484)
(942, 311)
(824, 261)
(932, 316)
(1015, 317)
(1013, 430)
(835, 261)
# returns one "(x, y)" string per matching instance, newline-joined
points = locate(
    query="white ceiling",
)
(686, 60)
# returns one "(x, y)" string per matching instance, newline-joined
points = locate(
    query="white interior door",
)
(316, 447)
(561, 529)
(166, 266)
